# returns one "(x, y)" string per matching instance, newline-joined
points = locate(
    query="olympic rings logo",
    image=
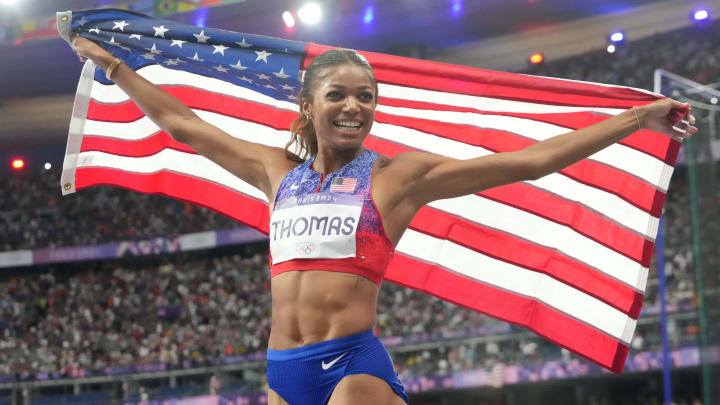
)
(306, 248)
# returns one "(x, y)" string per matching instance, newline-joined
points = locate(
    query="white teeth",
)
(351, 124)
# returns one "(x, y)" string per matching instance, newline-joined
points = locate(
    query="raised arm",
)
(429, 177)
(256, 164)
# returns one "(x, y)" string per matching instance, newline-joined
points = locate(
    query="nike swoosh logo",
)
(326, 366)
(294, 186)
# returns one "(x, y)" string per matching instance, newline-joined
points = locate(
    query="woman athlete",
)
(331, 233)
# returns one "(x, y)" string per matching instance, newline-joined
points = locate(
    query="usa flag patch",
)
(345, 184)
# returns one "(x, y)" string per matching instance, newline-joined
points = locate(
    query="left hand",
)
(656, 119)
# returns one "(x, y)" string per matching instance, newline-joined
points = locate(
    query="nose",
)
(351, 105)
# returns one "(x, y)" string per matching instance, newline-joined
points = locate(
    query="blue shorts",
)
(308, 375)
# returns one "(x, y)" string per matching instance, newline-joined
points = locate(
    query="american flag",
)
(566, 255)
(345, 184)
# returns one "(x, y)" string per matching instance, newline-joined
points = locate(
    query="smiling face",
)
(342, 107)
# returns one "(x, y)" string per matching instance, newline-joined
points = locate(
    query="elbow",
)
(178, 127)
(534, 166)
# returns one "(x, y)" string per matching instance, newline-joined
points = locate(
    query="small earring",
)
(309, 117)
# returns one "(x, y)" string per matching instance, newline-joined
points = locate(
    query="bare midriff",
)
(313, 306)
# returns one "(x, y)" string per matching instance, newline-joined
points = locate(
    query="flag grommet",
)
(67, 186)
(64, 18)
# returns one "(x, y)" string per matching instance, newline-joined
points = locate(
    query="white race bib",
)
(315, 226)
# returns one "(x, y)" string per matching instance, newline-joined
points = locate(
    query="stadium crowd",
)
(693, 52)
(200, 309)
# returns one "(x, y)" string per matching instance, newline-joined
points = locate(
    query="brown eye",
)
(367, 96)
(334, 94)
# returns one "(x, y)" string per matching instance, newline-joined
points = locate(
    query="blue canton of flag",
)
(268, 65)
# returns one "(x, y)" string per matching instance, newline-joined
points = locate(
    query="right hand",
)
(86, 49)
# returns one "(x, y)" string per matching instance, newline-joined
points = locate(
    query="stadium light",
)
(310, 13)
(714, 100)
(288, 19)
(700, 15)
(611, 48)
(369, 15)
(617, 36)
(48, 166)
(536, 58)
(7, 3)
(18, 164)
(457, 7)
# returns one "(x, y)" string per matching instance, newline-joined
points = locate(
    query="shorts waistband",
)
(320, 347)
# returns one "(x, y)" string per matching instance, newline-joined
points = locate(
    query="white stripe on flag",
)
(168, 159)
(483, 103)
(517, 280)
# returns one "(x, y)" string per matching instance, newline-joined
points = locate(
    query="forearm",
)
(561, 151)
(162, 108)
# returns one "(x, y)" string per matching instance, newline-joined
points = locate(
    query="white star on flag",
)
(120, 24)
(220, 68)
(112, 42)
(219, 49)
(95, 30)
(201, 37)
(154, 50)
(292, 97)
(148, 56)
(246, 79)
(82, 21)
(160, 31)
(136, 36)
(281, 74)
(196, 58)
(269, 86)
(288, 87)
(177, 42)
(238, 66)
(171, 62)
(244, 44)
(263, 76)
(262, 55)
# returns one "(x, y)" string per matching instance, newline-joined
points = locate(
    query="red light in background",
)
(536, 58)
(18, 164)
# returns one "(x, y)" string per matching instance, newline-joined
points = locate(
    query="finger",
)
(684, 132)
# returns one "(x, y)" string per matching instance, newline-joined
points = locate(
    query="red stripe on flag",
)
(550, 323)
(488, 83)
(252, 212)
(654, 144)
(139, 148)
(201, 100)
(518, 252)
